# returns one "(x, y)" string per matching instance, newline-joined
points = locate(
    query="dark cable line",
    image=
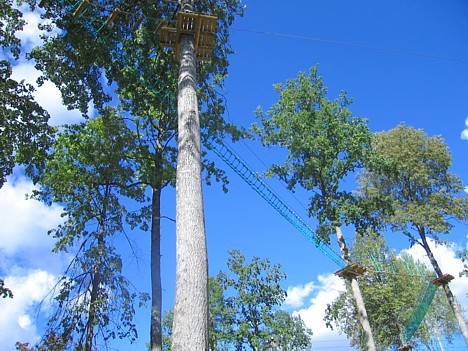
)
(326, 41)
(345, 43)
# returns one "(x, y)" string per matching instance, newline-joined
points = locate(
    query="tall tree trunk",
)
(156, 289)
(96, 280)
(361, 308)
(450, 298)
(96, 275)
(93, 298)
(190, 326)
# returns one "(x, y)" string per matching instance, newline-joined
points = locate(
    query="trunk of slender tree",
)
(361, 308)
(156, 289)
(450, 298)
(93, 298)
(96, 277)
(190, 325)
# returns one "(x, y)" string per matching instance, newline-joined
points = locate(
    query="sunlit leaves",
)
(244, 309)
(89, 172)
(422, 191)
(25, 134)
(10, 22)
(253, 294)
(390, 298)
(325, 144)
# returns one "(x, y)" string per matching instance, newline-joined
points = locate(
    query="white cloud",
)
(48, 96)
(26, 262)
(296, 294)
(24, 222)
(326, 290)
(24, 321)
(30, 35)
(18, 317)
(464, 133)
(449, 263)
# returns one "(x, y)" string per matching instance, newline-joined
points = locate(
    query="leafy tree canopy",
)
(11, 22)
(325, 144)
(244, 311)
(87, 173)
(424, 195)
(390, 299)
(24, 131)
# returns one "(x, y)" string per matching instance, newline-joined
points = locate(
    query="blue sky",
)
(401, 61)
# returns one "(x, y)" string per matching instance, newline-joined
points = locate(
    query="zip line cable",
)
(351, 44)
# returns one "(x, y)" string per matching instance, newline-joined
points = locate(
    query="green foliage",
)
(244, 310)
(79, 56)
(11, 22)
(290, 332)
(325, 145)
(79, 60)
(50, 343)
(87, 173)
(4, 291)
(256, 291)
(167, 330)
(424, 195)
(390, 299)
(221, 316)
(24, 132)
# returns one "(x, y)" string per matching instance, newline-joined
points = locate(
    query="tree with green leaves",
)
(425, 196)
(257, 291)
(325, 145)
(220, 319)
(244, 309)
(221, 316)
(50, 342)
(25, 134)
(290, 332)
(88, 173)
(128, 55)
(391, 289)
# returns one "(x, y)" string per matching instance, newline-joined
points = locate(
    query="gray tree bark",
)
(190, 325)
(361, 308)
